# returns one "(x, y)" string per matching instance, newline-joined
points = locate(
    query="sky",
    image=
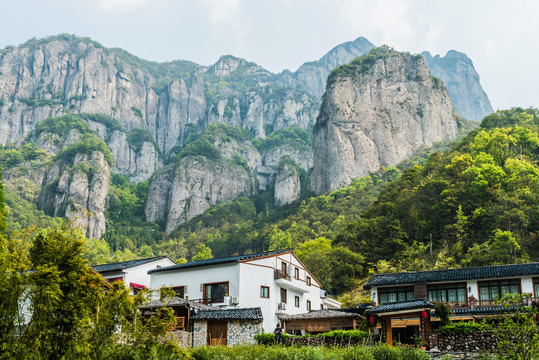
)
(501, 37)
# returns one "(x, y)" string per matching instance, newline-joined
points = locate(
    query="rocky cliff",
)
(457, 72)
(377, 111)
(61, 74)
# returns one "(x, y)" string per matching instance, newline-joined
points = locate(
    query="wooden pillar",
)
(389, 332)
(424, 327)
(354, 324)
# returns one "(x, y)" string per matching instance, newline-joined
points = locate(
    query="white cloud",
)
(226, 14)
(115, 5)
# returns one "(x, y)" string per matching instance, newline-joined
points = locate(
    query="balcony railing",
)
(474, 303)
(279, 274)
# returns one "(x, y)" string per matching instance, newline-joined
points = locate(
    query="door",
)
(217, 332)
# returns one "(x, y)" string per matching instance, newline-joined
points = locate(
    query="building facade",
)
(134, 273)
(276, 282)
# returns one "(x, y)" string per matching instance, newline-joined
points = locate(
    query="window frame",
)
(445, 288)
(204, 285)
(487, 284)
(175, 289)
(296, 273)
(296, 301)
(262, 293)
(308, 280)
(408, 290)
(284, 268)
(285, 295)
(308, 305)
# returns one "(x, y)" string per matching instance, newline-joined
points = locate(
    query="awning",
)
(402, 307)
(111, 280)
(137, 286)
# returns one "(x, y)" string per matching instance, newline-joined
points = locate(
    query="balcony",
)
(285, 281)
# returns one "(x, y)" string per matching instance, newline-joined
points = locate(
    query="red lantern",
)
(537, 316)
(372, 320)
(424, 314)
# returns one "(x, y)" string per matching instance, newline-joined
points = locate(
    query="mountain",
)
(377, 111)
(311, 77)
(457, 72)
(150, 116)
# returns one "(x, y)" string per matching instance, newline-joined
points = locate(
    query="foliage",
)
(517, 332)
(137, 137)
(203, 253)
(472, 205)
(60, 126)
(443, 311)
(295, 137)
(465, 328)
(269, 338)
(200, 147)
(86, 145)
(361, 64)
(53, 306)
(355, 336)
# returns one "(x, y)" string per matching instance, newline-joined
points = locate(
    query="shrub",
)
(354, 336)
(465, 328)
(269, 338)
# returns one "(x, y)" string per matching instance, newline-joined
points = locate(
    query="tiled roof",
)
(225, 260)
(125, 264)
(177, 301)
(401, 306)
(230, 314)
(320, 314)
(490, 310)
(463, 274)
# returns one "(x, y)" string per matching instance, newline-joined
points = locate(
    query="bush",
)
(268, 338)
(354, 336)
(465, 328)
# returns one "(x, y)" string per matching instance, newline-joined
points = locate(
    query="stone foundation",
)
(476, 342)
(242, 332)
(180, 337)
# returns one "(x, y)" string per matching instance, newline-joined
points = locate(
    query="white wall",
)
(139, 274)
(194, 277)
(260, 272)
(527, 285)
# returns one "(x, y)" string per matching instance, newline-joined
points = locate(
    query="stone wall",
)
(180, 337)
(200, 330)
(439, 355)
(475, 342)
(242, 332)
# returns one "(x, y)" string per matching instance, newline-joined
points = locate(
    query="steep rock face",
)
(138, 166)
(457, 72)
(377, 112)
(78, 190)
(287, 185)
(182, 191)
(55, 76)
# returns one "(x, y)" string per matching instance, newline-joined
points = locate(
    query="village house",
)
(276, 282)
(133, 273)
(404, 301)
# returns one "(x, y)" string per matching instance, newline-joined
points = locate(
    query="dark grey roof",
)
(463, 274)
(401, 306)
(320, 314)
(125, 264)
(489, 310)
(225, 260)
(230, 314)
(177, 301)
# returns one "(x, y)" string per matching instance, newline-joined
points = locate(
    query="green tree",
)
(203, 253)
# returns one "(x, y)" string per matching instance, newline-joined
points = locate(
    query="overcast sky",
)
(501, 37)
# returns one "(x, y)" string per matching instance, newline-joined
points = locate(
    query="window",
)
(296, 273)
(308, 305)
(179, 290)
(390, 295)
(296, 301)
(283, 268)
(215, 292)
(536, 287)
(447, 293)
(308, 280)
(283, 295)
(264, 292)
(492, 290)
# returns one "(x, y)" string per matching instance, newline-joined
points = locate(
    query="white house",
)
(134, 273)
(276, 281)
